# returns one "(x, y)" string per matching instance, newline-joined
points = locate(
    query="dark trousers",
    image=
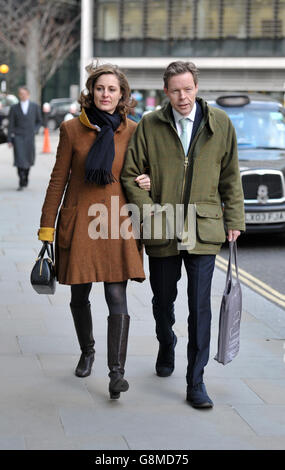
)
(23, 174)
(164, 275)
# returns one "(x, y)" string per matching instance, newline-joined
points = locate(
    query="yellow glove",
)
(46, 234)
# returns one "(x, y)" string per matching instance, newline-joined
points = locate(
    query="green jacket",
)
(208, 176)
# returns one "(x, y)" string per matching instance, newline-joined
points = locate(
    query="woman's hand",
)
(143, 181)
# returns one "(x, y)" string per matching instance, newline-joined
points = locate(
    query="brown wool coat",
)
(79, 257)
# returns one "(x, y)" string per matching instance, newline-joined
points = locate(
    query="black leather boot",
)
(83, 326)
(117, 338)
(21, 173)
(26, 177)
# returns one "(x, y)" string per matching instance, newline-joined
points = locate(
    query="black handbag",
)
(43, 277)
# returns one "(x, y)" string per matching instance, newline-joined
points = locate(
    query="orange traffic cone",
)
(46, 146)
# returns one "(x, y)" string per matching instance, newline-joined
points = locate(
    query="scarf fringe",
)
(100, 176)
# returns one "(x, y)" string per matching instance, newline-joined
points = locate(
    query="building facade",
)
(190, 28)
(237, 44)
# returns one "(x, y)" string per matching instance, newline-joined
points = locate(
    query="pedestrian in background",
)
(24, 122)
(190, 150)
(89, 160)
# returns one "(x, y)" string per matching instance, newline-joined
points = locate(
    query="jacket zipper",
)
(186, 162)
(184, 177)
(185, 156)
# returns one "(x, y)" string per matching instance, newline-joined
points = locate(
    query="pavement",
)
(44, 406)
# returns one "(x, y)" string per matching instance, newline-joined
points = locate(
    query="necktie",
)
(184, 134)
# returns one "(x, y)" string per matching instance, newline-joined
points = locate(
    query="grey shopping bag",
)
(230, 313)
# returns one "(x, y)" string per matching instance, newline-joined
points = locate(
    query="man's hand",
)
(143, 181)
(233, 235)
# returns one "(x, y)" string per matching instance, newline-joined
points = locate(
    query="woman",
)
(89, 160)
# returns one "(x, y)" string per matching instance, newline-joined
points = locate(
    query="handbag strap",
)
(47, 247)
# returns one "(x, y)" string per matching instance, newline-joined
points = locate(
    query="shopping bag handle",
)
(232, 255)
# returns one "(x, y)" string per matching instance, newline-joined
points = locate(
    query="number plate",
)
(264, 217)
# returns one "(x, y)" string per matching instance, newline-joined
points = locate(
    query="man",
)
(24, 122)
(191, 152)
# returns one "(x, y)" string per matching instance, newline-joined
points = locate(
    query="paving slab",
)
(270, 391)
(265, 420)
(12, 443)
(104, 442)
(180, 426)
(42, 344)
(17, 365)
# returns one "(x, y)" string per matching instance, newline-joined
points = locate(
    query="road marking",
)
(254, 283)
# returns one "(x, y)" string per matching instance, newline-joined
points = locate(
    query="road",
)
(263, 257)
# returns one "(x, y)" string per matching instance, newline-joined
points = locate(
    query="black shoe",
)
(165, 359)
(20, 188)
(197, 396)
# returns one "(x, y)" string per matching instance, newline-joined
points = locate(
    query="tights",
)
(115, 295)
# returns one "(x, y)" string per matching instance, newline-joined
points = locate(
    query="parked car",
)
(6, 101)
(59, 108)
(260, 129)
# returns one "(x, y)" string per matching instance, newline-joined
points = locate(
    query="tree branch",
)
(58, 32)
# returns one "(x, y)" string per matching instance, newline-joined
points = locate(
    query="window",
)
(133, 19)
(262, 19)
(281, 18)
(182, 19)
(157, 21)
(258, 128)
(208, 25)
(108, 19)
(234, 18)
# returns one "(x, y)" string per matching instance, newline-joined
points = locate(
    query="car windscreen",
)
(258, 128)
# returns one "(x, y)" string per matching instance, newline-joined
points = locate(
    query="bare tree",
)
(42, 33)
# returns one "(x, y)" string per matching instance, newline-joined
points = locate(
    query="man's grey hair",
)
(177, 68)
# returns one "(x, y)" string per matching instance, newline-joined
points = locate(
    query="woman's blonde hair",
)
(86, 100)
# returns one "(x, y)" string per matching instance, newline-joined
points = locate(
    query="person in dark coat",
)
(24, 122)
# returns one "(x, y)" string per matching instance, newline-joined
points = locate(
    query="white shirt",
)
(25, 106)
(191, 117)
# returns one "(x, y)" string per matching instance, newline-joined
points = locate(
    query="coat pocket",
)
(210, 223)
(66, 224)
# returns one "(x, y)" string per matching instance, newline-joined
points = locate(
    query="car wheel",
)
(52, 124)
